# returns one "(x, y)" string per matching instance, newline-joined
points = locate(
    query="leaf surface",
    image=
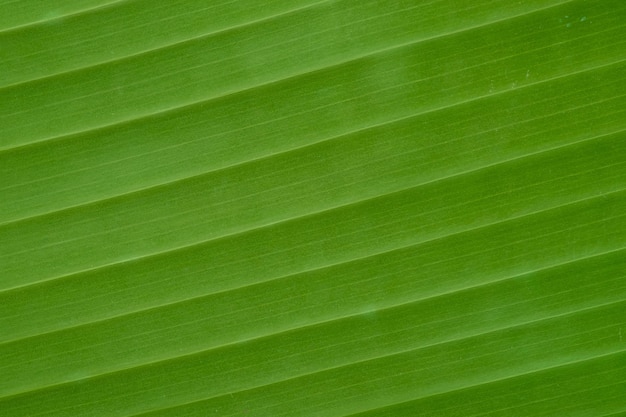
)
(313, 208)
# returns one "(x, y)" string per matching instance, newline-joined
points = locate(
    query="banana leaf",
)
(313, 208)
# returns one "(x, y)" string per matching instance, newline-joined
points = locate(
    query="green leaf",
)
(313, 208)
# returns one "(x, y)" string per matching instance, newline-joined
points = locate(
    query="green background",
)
(313, 208)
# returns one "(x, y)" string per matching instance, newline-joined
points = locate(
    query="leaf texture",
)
(313, 208)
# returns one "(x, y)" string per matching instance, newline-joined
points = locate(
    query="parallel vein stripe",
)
(308, 145)
(569, 394)
(462, 232)
(195, 244)
(453, 340)
(341, 317)
(165, 46)
(359, 362)
(191, 39)
(277, 334)
(535, 371)
(60, 17)
(266, 19)
(580, 258)
(569, 364)
(137, 288)
(326, 322)
(298, 75)
(513, 406)
(281, 153)
(362, 96)
(368, 412)
(292, 76)
(338, 137)
(351, 204)
(617, 414)
(278, 222)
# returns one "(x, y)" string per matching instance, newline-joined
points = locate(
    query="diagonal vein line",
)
(269, 156)
(351, 316)
(309, 145)
(422, 299)
(336, 319)
(406, 402)
(293, 76)
(620, 413)
(263, 85)
(270, 18)
(546, 368)
(260, 282)
(167, 44)
(248, 127)
(454, 340)
(595, 388)
(246, 90)
(288, 276)
(358, 362)
(202, 36)
(234, 27)
(288, 220)
(328, 139)
(61, 17)
(548, 234)
(400, 403)
(317, 213)
(511, 326)
(483, 401)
